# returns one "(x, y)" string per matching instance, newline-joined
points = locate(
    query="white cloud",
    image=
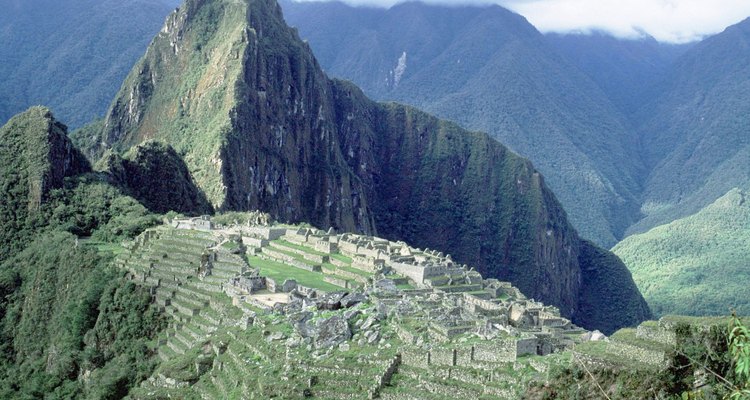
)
(675, 21)
(666, 20)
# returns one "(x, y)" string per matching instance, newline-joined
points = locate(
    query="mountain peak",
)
(36, 156)
(244, 102)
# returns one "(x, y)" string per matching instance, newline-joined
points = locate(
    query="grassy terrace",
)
(279, 271)
(341, 258)
(102, 247)
(325, 265)
(628, 335)
(348, 269)
(299, 247)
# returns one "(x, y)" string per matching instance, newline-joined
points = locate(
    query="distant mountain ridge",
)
(71, 55)
(696, 129)
(695, 265)
(626, 70)
(489, 69)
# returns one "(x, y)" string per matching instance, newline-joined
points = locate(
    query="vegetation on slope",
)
(694, 130)
(701, 352)
(607, 291)
(72, 54)
(70, 324)
(626, 70)
(157, 176)
(36, 156)
(182, 91)
(696, 265)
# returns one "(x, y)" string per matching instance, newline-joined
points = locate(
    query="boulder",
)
(594, 336)
(330, 301)
(352, 299)
(331, 332)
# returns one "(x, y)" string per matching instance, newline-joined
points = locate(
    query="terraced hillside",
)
(267, 311)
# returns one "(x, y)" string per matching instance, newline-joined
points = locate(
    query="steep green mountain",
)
(36, 156)
(695, 130)
(625, 69)
(71, 54)
(696, 265)
(71, 326)
(242, 99)
(157, 176)
(489, 69)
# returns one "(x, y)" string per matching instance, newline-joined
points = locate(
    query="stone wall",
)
(415, 357)
(254, 242)
(336, 281)
(287, 259)
(657, 334)
(526, 346)
(414, 272)
(385, 378)
(271, 285)
(306, 255)
(366, 264)
(496, 351)
(325, 246)
(265, 232)
(641, 354)
(338, 263)
(486, 305)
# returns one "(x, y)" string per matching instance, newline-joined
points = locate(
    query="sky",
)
(673, 21)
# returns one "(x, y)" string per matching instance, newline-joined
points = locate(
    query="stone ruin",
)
(444, 314)
(487, 308)
(202, 223)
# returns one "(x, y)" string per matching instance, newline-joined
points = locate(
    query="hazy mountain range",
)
(72, 55)
(629, 134)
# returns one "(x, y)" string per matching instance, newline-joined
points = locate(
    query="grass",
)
(230, 245)
(300, 247)
(279, 272)
(104, 247)
(342, 258)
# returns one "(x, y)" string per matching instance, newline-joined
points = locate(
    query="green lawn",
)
(103, 247)
(342, 258)
(278, 272)
(300, 247)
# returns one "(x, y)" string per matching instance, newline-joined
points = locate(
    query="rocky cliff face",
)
(36, 156)
(242, 99)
